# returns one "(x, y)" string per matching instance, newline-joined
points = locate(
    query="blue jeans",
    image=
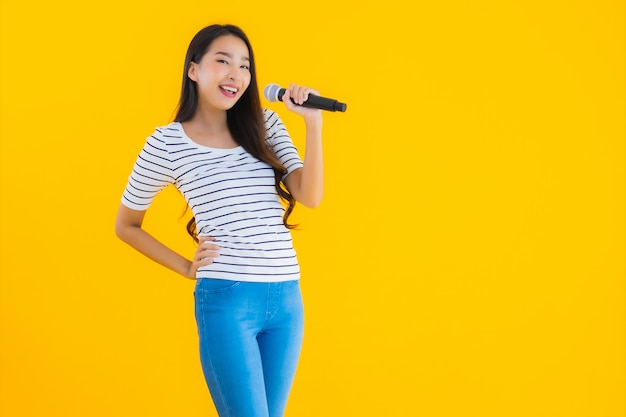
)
(250, 338)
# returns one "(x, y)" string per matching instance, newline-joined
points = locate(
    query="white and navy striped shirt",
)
(231, 194)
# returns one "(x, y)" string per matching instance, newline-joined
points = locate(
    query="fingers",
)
(207, 251)
(205, 254)
(298, 93)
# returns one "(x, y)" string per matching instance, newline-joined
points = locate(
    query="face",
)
(223, 73)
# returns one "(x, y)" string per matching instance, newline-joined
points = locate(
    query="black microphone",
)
(273, 92)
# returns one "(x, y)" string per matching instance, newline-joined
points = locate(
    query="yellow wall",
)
(468, 258)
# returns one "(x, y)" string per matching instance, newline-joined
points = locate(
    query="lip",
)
(228, 93)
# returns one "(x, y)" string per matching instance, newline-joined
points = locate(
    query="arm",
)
(128, 228)
(307, 184)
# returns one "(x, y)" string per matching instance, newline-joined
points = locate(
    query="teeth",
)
(229, 89)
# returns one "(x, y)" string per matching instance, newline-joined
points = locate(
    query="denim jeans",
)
(250, 338)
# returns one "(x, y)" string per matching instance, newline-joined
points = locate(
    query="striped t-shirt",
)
(232, 196)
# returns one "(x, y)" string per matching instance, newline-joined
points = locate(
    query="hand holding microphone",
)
(273, 92)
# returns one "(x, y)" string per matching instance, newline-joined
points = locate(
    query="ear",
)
(193, 72)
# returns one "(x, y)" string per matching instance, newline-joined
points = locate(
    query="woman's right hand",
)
(205, 254)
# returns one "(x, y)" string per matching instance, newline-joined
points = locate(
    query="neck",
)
(209, 128)
(209, 119)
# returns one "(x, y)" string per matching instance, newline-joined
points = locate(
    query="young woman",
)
(235, 165)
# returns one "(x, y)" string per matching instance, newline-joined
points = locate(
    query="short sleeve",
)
(279, 140)
(151, 173)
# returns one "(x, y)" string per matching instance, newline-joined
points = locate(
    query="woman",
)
(233, 162)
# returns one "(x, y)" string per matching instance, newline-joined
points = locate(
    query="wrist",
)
(188, 270)
(313, 121)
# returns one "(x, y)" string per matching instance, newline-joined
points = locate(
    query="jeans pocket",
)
(215, 286)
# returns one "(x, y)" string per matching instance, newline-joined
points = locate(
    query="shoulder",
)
(267, 113)
(273, 123)
(272, 119)
(167, 135)
(172, 130)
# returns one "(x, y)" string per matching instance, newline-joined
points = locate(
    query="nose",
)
(234, 75)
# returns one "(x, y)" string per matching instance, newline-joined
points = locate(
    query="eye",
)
(222, 61)
(246, 67)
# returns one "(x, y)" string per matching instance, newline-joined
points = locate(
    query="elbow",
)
(120, 231)
(315, 204)
(123, 231)
(312, 202)
(127, 223)
(126, 234)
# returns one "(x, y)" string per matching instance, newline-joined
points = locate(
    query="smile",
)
(229, 90)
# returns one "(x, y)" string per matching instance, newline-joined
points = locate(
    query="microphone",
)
(273, 92)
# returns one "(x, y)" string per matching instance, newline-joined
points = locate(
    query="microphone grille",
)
(271, 92)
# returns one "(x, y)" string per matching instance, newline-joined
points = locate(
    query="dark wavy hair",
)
(245, 119)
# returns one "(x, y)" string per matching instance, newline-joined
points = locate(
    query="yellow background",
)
(468, 258)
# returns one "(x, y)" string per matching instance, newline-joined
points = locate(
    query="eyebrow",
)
(245, 58)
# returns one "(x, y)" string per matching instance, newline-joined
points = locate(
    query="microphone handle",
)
(317, 102)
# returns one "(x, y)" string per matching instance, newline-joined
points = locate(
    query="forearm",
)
(311, 188)
(146, 244)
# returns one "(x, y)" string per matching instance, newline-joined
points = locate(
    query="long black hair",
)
(245, 119)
